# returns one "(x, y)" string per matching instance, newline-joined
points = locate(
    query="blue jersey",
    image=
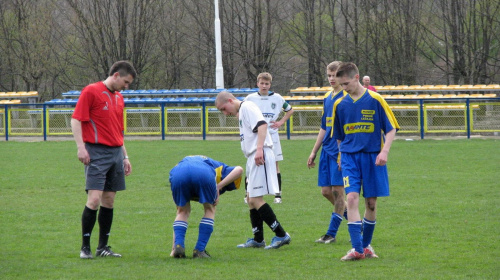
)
(330, 145)
(221, 170)
(361, 124)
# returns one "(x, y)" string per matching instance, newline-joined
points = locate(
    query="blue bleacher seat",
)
(146, 99)
(181, 99)
(127, 91)
(240, 98)
(162, 91)
(141, 92)
(192, 99)
(53, 101)
(209, 90)
(157, 99)
(175, 90)
(198, 90)
(170, 99)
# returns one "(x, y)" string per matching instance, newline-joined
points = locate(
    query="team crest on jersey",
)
(273, 105)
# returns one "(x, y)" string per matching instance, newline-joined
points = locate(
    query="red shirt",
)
(372, 88)
(101, 114)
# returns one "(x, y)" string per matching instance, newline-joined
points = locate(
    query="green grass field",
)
(440, 222)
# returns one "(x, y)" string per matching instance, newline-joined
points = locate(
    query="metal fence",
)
(419, 117)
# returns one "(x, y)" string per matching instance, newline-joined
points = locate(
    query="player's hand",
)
(259, 157)
(381, 158)
(275, 124)
(83, 156)
(127, 166)
(217, 199)
(310, 161)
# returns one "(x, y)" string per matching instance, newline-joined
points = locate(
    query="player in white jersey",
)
(271, 104)
(256, 145)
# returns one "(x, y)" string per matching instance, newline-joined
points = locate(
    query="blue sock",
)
(355, 233)
(206, 229)
(368, 228)
(335, 221)
(180, 228)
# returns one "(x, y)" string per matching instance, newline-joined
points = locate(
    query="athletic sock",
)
(205, 230)
(88, 221)
(368, 228)
(355, 233)
(105, 220)
(267, 214)
(246, 186)
(180, 228)
(257, 225)
(279, 184)
(335, 221)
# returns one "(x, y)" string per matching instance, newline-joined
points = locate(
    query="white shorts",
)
(278, 154)
(262, 179)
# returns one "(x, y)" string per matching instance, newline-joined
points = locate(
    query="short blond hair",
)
(333, 66)
(223, 97)
(265, 76)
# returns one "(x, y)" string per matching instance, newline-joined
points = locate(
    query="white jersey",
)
(249, 115)
(270, 105)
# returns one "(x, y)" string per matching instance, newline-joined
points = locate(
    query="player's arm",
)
(382, 156)
(76, 128)
(126, 162)
(261, 137)
(278, 124)
(317, 145)
(231, 177)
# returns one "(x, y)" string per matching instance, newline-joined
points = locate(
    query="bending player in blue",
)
(202, 179)
(365, 127)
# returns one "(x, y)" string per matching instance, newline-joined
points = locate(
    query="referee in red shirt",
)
(97, 126)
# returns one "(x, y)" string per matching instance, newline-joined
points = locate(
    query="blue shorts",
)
(359, 169)
(193, 181)
(328, 171)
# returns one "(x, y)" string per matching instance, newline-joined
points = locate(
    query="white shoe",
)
(277, 200)
(246, 200)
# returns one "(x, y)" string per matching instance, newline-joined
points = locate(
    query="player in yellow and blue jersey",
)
(365, 128)
(329, 174)
(202, 179)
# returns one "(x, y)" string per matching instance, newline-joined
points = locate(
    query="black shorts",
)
(105, 172)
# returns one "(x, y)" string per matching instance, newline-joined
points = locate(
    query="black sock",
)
(279, 184)
(105, 220)
(257, 225)
(267, 214)
(88, 222)
(246, 185)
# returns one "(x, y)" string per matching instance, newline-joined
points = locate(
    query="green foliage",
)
(440, 222)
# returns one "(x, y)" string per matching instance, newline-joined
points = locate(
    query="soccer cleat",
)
(369, 252)
(179, 252)
(246, 200)
(277, 200)
(85, 253)
(352, 255)
(277, 242)
(252, 244)
(200, 254)
(326, 239)
(106, 252)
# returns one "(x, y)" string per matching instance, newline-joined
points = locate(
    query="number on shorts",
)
(346, 182)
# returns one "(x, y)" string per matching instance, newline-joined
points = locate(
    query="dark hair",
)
(347, 69)
(124, 68)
